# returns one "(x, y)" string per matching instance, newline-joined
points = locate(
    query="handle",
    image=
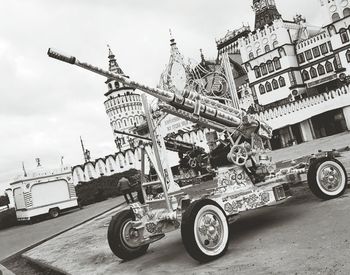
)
(60, 56)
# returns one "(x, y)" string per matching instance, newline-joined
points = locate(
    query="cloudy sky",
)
(46, 105)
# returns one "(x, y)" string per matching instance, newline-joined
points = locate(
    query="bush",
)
(105, 187)
(8, 218)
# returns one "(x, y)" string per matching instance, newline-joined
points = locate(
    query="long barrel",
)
(188, 102)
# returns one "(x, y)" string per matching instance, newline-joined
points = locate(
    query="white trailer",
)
(44, 192)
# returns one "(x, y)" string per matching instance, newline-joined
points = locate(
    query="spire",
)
(265, 12)
(113, 65)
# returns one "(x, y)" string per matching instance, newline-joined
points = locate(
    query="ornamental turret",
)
(265, 12)
(123, 105)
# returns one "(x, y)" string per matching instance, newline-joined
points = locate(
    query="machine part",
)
(54, 212)
(238, 155)
(204, 231)
(327, 178)
(123, 239)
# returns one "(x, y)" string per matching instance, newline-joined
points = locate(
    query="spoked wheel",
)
(123, 239)
(327, 179)
(204, 231)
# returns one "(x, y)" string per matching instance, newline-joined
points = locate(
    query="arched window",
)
(257, 72)
(277, 63)
(321, 70)
(262, 89)
(268, 87)
(119, 124)
(346, 12)
(313, 72)
(348, 56)
(282, 81)
(332, 30)
(335, 17)
(267, 48)
(125, 124)
(270, 66)
(116, 84)
(329, 66)
(275, 44)
(275, 84)
(137, 120)
(282, 52)
(263, 69)
(305, 75)
(344, 35)
(251, 56)
(110, 86)
(258, 52)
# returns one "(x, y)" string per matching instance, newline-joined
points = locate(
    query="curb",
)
(5, 271)
(57, 234)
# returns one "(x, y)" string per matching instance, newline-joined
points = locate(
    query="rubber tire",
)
(312, 179)
(54, 212)
(115, 241)
(188, 231)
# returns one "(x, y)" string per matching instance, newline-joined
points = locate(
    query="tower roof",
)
(265, 12)
(113, 65)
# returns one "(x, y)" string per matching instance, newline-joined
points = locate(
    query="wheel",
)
(204, 231)
(238, 155)
(327, 179)
(124, 240)
(54, 212)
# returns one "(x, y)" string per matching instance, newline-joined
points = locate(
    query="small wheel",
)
(204, 231)
(327, 179)
(54, 212)
(123, 239)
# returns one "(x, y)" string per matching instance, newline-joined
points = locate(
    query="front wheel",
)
(204, 231)
(123, 239)
(327, 179)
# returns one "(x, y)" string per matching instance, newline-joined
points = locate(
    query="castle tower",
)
(335, 9)
(265, 12)
(123, 105)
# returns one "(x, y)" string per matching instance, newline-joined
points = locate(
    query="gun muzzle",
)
(60, 56)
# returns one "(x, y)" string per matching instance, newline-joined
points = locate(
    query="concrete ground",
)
(17, 238)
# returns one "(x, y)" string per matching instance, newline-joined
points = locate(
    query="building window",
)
(344, 36)
(321, 70)
(263, 69)
(308, 55)
(305, 75)
(270, 66)
(335, 17)
(282, 81)
(346, 12)
(275, 44)
(258, 52)
(329, 67)
(110, 86)
(257, 72)
(313, 72)
(262, 89)
(277, 63)
(348, 56)
(268, 87)
(267, 48)
(324, 49)
(251, 56)
(275, 84)
(316, 52)
(301, 58)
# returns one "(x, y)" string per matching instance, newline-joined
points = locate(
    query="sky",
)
(46, 105)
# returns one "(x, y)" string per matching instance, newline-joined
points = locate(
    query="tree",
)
(4, 201)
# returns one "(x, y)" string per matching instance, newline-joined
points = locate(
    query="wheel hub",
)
(130, 235)
(330, 178)
(210, 230)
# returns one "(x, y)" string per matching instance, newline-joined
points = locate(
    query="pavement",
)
(16, 239)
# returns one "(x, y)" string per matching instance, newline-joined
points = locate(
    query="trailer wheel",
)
(327, 179)
(54, 212)
(124, 240)
(204, 231)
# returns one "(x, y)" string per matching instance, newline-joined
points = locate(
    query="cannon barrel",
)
(189, 102)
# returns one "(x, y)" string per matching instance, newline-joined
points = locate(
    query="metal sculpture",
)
(245, 177)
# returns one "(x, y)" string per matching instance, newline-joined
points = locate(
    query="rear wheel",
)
(123, 239)
(54, 212)
(327, 179)
(204, 231)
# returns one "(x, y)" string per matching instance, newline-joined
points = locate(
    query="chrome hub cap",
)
(330, 178)
(210, 230)
(130, 235)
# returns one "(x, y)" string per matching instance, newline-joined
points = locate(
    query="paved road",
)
(19, 237)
